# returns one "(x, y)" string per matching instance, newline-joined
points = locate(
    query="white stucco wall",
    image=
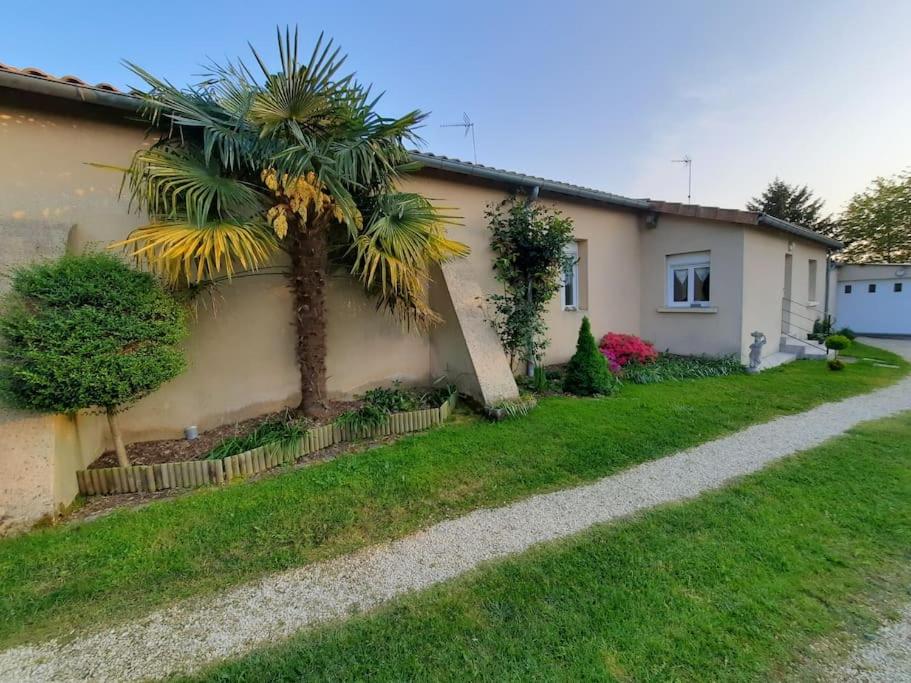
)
(692, 331)
(765, 253)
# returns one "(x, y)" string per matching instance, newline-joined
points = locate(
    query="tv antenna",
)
(689, 171)
(468, 125)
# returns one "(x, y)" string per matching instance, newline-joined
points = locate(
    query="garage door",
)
(875, 306)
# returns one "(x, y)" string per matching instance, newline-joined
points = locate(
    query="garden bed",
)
(183, 450)
(373, 419)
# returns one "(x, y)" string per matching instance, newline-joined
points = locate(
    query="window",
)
(571, 279)
(689, 280)
(897, 287)
(848, 289)
(871, 289)
(811, 285)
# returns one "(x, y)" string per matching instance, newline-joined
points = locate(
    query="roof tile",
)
(35, 72)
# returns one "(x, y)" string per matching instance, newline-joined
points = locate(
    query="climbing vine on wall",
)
(529, 243)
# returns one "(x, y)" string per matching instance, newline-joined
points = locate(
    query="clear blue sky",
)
(604, 94)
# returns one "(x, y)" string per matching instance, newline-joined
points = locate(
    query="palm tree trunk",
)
(119, 448)
(309, 274)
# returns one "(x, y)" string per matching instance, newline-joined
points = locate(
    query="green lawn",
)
(734, 586)
(860, 350)
(55, 580)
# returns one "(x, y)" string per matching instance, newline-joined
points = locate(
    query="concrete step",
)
(773, 360)
(802, 348)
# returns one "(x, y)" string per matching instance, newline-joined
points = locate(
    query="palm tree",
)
(295, 160)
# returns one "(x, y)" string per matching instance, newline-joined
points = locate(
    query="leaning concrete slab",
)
(465, 348)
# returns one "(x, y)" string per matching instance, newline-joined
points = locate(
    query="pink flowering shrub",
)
(623, 349)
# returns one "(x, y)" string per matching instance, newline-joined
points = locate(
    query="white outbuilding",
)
(874, 298)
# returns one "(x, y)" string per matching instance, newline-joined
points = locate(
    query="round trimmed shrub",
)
(835, 364)
(587, 373)
(87, 332)
(837, 342)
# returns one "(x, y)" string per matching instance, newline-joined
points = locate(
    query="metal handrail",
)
(787, 300)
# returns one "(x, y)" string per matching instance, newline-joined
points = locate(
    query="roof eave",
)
(806, 233)
(69, 91)
(520, 180)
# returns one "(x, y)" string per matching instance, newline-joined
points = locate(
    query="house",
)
(874, 298)
(691, 279)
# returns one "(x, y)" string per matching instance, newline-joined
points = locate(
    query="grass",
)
(735, 586)
(57, 580)
(860, 350)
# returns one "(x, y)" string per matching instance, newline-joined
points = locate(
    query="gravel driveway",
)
(190, 635)
(887, 658)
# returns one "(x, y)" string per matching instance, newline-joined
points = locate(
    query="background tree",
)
(529, 243)
(792, 203)
(876, 225)
(296, 160)
(87, 332)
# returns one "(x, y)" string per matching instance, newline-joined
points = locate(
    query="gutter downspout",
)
(530, 365)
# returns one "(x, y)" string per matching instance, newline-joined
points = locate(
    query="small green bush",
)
(513, 407)
(393, 399)
(671, 367)
(837, 342)
(822, 328)
(87, 332)
(540, 383)
(587, 373)
(847, 332)
(365, 417)
(281, 431)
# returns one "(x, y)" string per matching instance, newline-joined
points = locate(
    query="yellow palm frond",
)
(183, 250)
(394, 253)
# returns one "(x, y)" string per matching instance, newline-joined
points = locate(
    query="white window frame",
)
(571, 249)
(701, 259)
(812, 272)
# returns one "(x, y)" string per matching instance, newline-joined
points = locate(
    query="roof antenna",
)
(689, 170)
(468, 125)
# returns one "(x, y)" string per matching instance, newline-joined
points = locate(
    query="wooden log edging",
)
(196, 473)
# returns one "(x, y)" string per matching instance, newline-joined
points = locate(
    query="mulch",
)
(182, 450)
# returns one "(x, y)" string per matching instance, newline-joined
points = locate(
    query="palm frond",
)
(392, 256)
(195, 109)
(171, 181)
(299, 96)
(184, 251)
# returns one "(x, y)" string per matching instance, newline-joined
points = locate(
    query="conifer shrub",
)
(587, 373)
(87, 332)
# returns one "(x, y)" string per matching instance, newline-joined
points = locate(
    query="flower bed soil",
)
(181, 450)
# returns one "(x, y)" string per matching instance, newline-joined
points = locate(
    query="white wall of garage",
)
(886, 309)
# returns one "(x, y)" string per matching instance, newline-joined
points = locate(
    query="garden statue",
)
(759, 341)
